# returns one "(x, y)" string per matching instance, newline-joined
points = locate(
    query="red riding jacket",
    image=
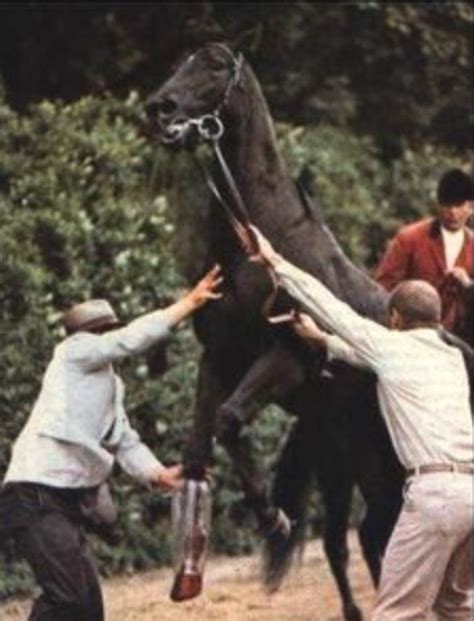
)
(417, 252)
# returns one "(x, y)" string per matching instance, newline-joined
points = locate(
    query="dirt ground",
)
(232, 593)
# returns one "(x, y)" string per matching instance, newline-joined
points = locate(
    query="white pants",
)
(428, 564)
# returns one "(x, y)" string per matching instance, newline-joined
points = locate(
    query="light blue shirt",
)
(78, 426)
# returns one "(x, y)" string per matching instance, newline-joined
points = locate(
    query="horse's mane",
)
(355, 286)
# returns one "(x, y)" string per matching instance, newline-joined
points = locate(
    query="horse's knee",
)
(372, 548)
(228, 424)
(336, 549)
(374, 532)
(370, 544)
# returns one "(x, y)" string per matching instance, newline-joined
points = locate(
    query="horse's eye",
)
(218, 65)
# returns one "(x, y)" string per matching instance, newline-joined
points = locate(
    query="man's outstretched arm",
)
(369, 339)
(92, 351)
(336, 348)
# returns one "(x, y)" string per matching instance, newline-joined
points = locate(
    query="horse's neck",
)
(251, 149)
(274, 205)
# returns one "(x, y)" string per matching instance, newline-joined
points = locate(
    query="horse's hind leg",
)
(383, 506)
(337, 496)
(380, 480)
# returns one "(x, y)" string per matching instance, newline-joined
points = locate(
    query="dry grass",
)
(232, 593)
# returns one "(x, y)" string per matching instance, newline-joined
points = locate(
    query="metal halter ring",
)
(210, 127)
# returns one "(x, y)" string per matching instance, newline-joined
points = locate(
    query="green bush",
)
(363, 200)
(88, 209)
(78, 221)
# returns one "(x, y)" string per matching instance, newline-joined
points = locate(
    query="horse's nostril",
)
(167, 106)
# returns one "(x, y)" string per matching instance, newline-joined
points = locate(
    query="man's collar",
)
(435, 228)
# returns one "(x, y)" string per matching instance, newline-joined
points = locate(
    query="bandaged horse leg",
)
(192, 504)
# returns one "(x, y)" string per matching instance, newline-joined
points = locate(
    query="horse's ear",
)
(247, 41)
(198, 31)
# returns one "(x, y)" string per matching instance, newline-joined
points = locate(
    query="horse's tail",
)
(291, 490)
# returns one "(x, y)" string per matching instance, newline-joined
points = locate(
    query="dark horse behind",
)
(338, 437)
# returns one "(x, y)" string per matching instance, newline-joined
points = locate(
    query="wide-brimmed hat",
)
(90, 315)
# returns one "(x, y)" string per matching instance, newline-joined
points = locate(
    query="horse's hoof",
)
(279, 526)
(352, 613)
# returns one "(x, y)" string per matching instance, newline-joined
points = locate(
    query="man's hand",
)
(460, 275)
(307, 329)
(169, 479)
(206, 289)
(260, 249)
(246, 238)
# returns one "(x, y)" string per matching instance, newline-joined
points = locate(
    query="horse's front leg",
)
(274, 375)
(210, 394)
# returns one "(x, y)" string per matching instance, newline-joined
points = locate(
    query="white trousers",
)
(428, 564)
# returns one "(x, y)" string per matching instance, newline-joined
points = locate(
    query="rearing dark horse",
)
(248, 363)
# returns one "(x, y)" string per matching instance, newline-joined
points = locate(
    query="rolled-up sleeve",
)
(367, 338)
(92, 351)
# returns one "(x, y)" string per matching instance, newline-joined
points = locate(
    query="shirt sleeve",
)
(340, 350)
(92, 351)
(134, 457)
(369, 339)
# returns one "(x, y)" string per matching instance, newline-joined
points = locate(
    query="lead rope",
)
(239, 221)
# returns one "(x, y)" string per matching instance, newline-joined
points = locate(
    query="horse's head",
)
(187, 106)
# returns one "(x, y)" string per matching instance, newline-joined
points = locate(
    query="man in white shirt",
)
(77, 430)
(423, 392)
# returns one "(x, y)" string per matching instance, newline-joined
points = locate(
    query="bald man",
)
(423, 393)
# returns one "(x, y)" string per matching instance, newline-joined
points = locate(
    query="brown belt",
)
(429, 468)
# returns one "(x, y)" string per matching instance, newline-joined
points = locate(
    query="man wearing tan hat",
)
(77, 430)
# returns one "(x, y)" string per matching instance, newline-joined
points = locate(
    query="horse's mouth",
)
(188, 132)
(178, 132)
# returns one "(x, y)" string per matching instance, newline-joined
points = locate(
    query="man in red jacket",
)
(440, 250)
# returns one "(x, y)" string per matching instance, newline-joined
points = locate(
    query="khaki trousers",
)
(428, 563)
